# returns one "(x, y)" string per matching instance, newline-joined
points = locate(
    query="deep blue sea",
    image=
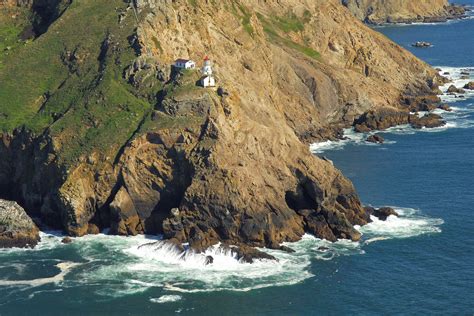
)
(421, 263)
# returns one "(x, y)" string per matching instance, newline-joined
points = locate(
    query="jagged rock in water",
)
(66, 240)
(209, 260)
(17, 229)
(430, 120)
(376, 138)
(382, 213)
(384, 118)
(381, 119)
(469, 85)
(422, 44)
(454, 89)
(445, 107)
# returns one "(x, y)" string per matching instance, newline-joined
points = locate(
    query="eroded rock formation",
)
(402, 11)
(162, 155)
(16, 227)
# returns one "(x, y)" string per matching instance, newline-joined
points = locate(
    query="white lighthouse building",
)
(207, 79)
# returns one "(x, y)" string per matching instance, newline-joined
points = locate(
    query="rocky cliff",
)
(403, 11)
(16, 228)
(100, 131)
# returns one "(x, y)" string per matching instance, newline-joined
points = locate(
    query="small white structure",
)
(208, 79)
(184, 64)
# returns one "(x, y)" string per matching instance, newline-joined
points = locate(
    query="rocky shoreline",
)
(143, 150)
(374, 12)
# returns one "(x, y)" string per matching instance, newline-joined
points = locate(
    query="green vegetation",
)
(242, 13)
(74, 82)
(12, 23)
(273, 26)
(186, 85)
(69, 81)
(288, 23)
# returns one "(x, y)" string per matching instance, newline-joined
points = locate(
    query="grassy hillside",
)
(70, 80)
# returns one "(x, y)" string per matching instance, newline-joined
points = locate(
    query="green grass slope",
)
(69, 81)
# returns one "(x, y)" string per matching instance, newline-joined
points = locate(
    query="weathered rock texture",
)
(16, 227)
(403, 11)
(204, 166)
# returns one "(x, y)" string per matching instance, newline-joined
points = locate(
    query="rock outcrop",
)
(453, 89)
(117, 138)
(376, 138)
(17, 229)
(384, 118)
(381, 213)
(469, 85)
(396, 11)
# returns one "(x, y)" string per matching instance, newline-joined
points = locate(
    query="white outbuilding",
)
(184, 64)
(207, 79)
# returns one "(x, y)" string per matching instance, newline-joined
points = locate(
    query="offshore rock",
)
(66, 240)
(469, 85)
(377, 139)
(422, 44)
(382, 213)
(248, 254)
(454, 89)
(17, 229)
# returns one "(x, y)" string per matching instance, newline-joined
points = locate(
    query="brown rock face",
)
(123, 214)
(16, 228)
(429, 121)
(396, 11)
(469, 86)
(384, 118)
(375, 139)
(382, 213)
(454, 89)
(230, 165)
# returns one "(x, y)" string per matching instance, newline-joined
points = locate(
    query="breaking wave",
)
(166, 299)
(461, 116)
(114, 266)
(410, 223)
(459, 77)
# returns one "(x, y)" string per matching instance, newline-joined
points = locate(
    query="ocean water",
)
(419, 263)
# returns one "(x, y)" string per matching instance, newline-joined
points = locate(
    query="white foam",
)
(350, 137)
(128, 267)
(410, 223)
(64, 267)
(459, 117)
(454, 75)
(166, 299)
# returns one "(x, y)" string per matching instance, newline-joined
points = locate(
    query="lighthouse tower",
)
(207, 79)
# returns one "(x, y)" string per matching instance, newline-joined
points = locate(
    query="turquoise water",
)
(421, 263)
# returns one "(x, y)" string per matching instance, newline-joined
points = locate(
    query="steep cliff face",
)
(402, 11)
(114, 137)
